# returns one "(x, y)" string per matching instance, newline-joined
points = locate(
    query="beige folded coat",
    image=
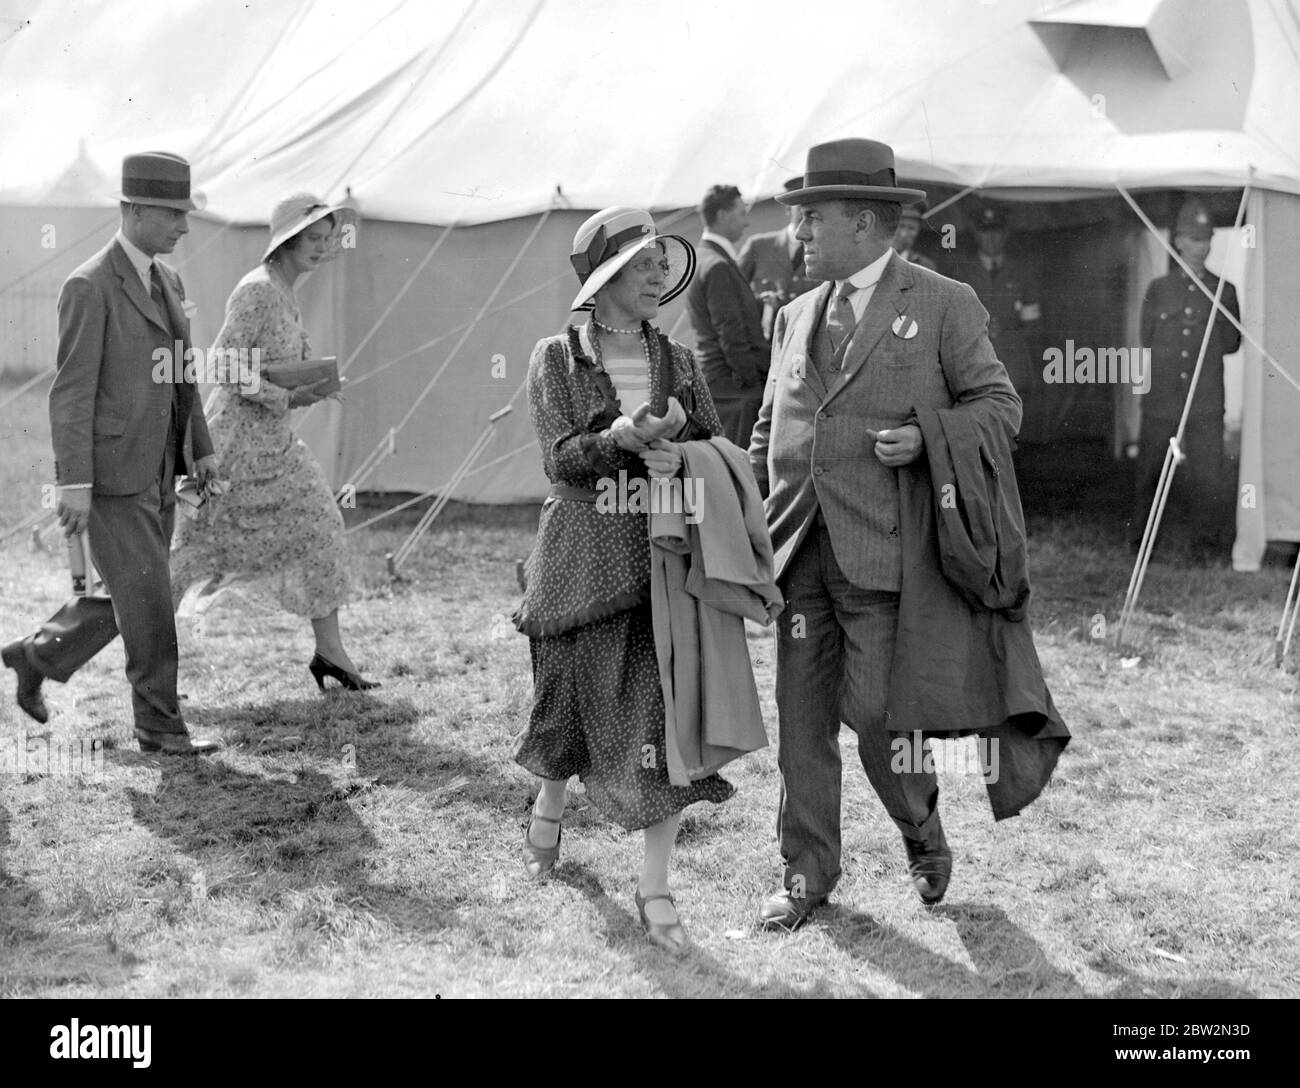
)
(710, 569)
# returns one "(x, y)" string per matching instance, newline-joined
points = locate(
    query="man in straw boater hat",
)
(866, 369)
(120, 435)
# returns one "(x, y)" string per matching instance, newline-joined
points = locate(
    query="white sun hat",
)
(607, 241)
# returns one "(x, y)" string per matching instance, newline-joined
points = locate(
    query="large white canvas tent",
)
(474, 136)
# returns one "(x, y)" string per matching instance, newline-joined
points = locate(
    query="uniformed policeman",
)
(1009, 291)
(1175, 312)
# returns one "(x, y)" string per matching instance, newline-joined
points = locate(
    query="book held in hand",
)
(306, 372)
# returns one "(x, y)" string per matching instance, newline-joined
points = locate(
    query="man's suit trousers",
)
(835, 646)
(130, 538)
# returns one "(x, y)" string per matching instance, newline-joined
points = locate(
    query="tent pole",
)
(1289, 607)
(1174, 454)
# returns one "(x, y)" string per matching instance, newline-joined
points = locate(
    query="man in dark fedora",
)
(853, 362)
(120, 436)
(772, 262)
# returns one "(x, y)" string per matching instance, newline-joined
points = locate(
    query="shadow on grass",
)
(696, 974)
(20, 903)
(287, 838)
(35, 955)
(1007, 961)
(1008, 958)
(379, 735)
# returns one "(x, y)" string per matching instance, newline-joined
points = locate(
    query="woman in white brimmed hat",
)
(611, 396)
(277, 529)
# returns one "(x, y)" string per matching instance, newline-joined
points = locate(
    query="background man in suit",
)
(851, 362)
(1174, 316)
(772, 262)
(119, 437)
(729, 340)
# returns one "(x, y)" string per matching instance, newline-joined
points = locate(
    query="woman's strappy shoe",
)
(671, 937)
(540, 860)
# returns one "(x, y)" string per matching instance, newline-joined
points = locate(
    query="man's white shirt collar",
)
(140, 260)
(870, 275)
(864, 281)
(722, 243)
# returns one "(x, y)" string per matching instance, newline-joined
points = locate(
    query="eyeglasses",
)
(646, 262)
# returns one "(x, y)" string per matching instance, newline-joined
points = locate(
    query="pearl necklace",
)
(610, 328)
(600, 355)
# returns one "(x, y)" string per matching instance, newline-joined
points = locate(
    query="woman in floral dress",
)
(598, 708)
(277, 529)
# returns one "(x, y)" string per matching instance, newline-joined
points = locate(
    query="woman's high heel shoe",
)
(540, 860)
(671, 937)
(353, 681)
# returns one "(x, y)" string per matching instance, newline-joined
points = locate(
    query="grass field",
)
(368, 845)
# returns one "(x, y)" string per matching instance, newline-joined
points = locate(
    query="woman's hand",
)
(628, 435)
(670, 423)
(662, 458)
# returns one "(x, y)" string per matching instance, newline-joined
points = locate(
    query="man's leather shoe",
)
(30, 700)
(788, 912)
(173, 744)
(929, 865)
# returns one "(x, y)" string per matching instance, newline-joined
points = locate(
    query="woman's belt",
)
(576, 494)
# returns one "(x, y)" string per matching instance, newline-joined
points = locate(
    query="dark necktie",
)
(840, 320)
(156, 293)
(160, 300)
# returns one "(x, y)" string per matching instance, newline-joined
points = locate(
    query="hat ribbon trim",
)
(155, 188)
(879, 179)
(602, 247)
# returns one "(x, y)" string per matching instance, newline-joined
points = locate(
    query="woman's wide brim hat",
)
(161, 179)
(850, 170)
(606, 242)
(294, 214)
